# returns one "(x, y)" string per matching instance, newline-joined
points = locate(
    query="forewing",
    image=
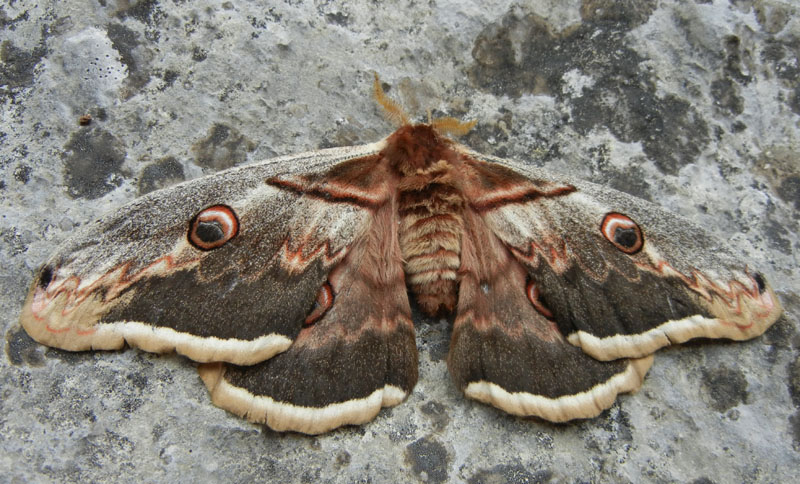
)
(620, 277)
(145, 276)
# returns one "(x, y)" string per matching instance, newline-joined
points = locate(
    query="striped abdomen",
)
(430, 207)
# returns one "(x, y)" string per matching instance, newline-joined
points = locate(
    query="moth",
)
(289, 281)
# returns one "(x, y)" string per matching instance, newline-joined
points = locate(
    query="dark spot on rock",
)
(223, 148)
(343, 459)
(672, 133)
(702, 480)
(779, 236)
(169, 77)
(733, 60)
(784, 54)
(130, 404)
(92, 163)
(794, 100)
(632, 181)
(429, 457)
(17, 68)
(157, 432)
(10, 23)
(402, 432)
(794, 381)
(126, 41)
(100, 450)
(145, 11)
(627, 13)
(437, 413)
(789, 190)
(219, 133)
(22, 349)
(338, 18)
(773, 51)
(779, 165)
(726, 96)
(783, 335)
(794, 424)
(726, 387)
(616, 428)
(521, 53)
(163, 173)
(22, 173)
(138, 380)
(435, 335)
(69, 357)
(772, 17)
(199, 55)
(738, 126)
(510, 474)
(485, 136)
(13, 240)
(344, 134)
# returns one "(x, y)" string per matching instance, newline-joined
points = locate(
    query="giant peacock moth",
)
(289, 279)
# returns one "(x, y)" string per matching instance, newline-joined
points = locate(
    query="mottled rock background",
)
(694, 105)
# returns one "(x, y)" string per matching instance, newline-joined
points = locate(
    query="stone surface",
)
(694, 105)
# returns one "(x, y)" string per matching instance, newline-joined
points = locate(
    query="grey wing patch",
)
(133, 276)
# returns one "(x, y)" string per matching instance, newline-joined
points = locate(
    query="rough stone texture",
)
(693, 105)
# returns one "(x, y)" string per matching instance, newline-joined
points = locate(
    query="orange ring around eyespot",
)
(323, 303)
(533, 296)
(613, 221)
(221, 215)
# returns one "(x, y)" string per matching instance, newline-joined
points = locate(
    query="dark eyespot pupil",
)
(209, 231)
(45, 277)
(626, 237)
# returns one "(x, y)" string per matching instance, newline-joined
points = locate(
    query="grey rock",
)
(692, 105)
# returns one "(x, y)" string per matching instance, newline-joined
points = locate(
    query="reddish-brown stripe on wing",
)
(361, 182)
(491, 186)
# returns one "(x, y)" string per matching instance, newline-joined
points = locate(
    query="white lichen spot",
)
(575, 82)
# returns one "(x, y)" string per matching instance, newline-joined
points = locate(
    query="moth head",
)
(396, 114)
(415, 147)
(213, 227)
(622, 232)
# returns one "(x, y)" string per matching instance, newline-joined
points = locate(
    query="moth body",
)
(430, 206)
